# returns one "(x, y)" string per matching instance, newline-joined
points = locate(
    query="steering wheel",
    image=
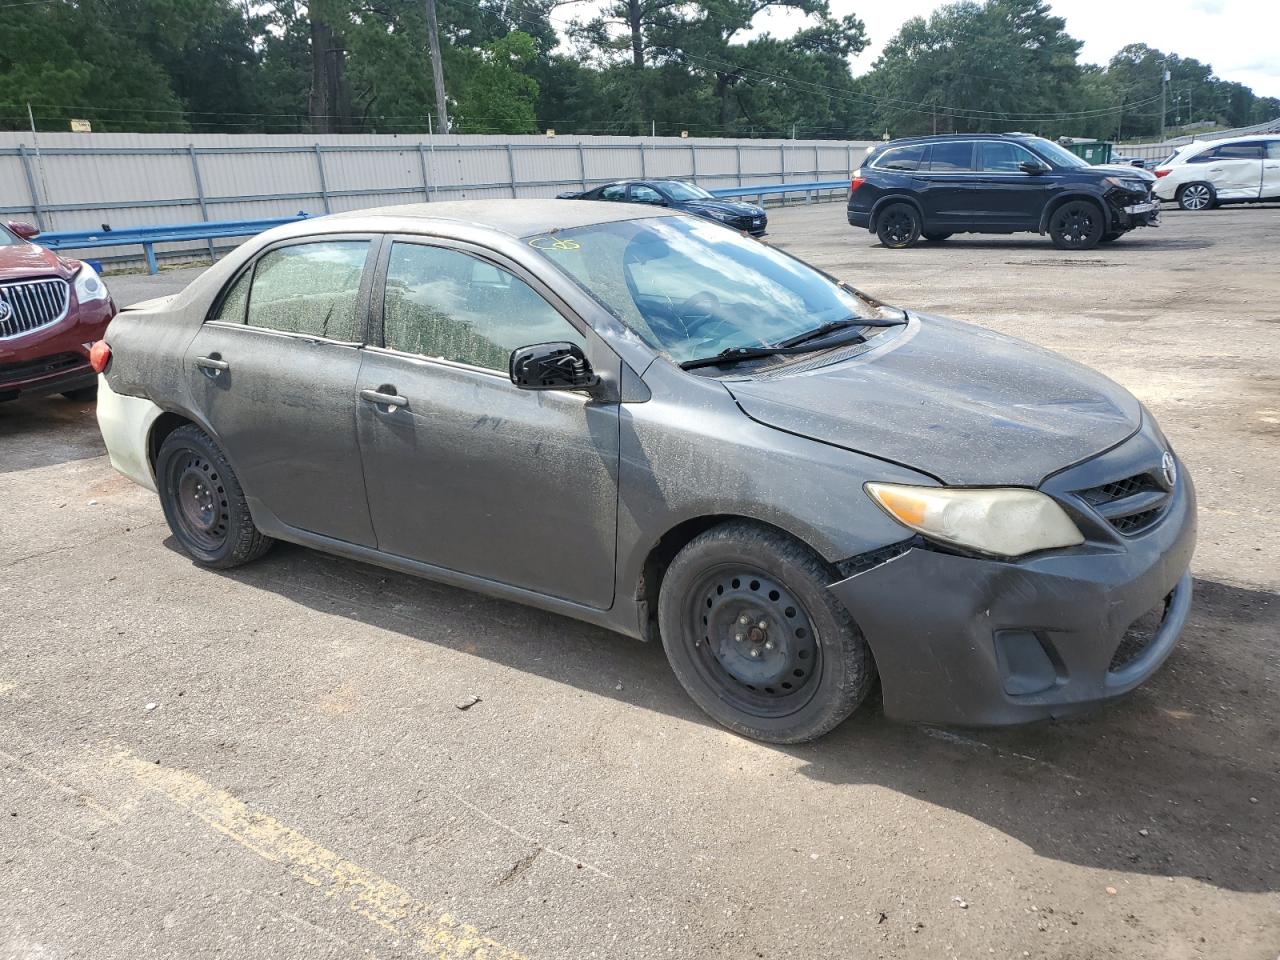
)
(703, 306)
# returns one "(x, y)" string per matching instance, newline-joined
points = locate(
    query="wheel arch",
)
(662, 551)
(1058, 201)
(878, 208)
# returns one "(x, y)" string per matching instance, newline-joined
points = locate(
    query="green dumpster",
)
(1093, 151)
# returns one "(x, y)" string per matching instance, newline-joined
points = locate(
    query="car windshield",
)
(691, 289)
(1058, 155)
(684, 191)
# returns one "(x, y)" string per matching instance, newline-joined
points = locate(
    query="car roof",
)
(932, 138)
(516, 218)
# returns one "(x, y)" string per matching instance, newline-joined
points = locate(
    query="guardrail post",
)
(204, 207)
(422, 165)
(31, 185)
(324, 186)
(150, 250)
(511, 170)
(582, 162)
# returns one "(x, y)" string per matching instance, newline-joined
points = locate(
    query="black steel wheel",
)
(1196, 197)
(755, 637)
(1077, 225)
(204, 503)
(898, 225)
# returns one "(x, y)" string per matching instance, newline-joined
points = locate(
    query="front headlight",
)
(1132, 185)
(1007, 522)
(89, 286)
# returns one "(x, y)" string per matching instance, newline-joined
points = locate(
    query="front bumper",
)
(963, 640)
(54, 358)
(1129, 211)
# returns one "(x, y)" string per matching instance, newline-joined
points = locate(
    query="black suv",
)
(933, 187)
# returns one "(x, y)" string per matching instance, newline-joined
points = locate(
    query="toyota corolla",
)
(640, 419)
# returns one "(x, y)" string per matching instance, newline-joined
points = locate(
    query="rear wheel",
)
(1076, 225)
(936, 237)
(755, 637)
(203, 502)
(1196, 197)
(898, 225)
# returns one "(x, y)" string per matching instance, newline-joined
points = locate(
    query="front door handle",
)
(213, 364)
(384, 399)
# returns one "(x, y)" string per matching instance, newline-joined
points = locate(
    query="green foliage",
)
(634, 66)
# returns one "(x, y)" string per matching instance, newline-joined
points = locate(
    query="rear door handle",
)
(212, 363)
(384, 399)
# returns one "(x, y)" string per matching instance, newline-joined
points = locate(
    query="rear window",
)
(951, 155)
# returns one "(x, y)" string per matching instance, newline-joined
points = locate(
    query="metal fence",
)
(69, 181)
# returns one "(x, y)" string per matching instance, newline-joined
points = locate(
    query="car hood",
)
(1134, 173)
(963, 404)
(25, 260)
(733, 207)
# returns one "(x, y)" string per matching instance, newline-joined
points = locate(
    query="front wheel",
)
(1076, 225)
(204, 503)
(898, 226)
(757, 640)
(1196, 197)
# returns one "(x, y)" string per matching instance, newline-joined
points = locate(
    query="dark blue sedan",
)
(680, 195)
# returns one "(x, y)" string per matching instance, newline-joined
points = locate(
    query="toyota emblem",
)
(1169, 467)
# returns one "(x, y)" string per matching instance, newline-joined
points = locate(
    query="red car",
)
(51, 312)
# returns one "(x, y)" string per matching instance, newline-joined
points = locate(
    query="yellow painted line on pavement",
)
(378, 900)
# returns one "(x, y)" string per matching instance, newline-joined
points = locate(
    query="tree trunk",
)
(330, 101)
(725, 83)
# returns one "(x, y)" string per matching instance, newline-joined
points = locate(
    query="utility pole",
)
(1164, 82)
(437, 68)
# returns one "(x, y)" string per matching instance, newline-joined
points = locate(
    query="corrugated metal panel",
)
(135, 179)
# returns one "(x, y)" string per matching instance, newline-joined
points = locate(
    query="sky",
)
(1240, 39)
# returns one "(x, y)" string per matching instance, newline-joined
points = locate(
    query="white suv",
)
(1206, 173)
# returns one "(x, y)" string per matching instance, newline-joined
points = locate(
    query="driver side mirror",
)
(1033, 168)
(26, 231)
(551, 366)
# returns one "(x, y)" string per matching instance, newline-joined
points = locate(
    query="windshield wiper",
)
(810, 341)
(817, 333)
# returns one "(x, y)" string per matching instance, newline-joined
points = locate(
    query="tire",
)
(204, 503)
(1111, 237)
(818, 669)
(1197, 196)
(936, 237)
(1077, 225)
(82, 394)
(898, 226)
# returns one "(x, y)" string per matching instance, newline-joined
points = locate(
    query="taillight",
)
(99, 356)
(1163, 173)
(855, 183)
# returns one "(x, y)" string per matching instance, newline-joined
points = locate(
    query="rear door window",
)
(615, 191)
(951, 155)
(643, 194)
(1240, 151)
(311, 289)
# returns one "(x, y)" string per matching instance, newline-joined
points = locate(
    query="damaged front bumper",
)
(972, 641)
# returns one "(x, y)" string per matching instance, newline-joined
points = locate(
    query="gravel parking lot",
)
(269, 762)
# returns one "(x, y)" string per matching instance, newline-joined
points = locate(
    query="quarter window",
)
(448, 304)
(901, 158)
(951, 155)
(307, 288)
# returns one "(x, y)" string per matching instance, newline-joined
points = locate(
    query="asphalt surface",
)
(271, 762)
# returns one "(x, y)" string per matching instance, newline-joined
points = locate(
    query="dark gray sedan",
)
(640, 419)
(680, 195)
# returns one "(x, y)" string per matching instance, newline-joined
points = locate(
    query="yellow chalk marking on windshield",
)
(378, 900)
(554, 243)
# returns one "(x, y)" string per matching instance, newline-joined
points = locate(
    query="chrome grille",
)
(31, 304)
